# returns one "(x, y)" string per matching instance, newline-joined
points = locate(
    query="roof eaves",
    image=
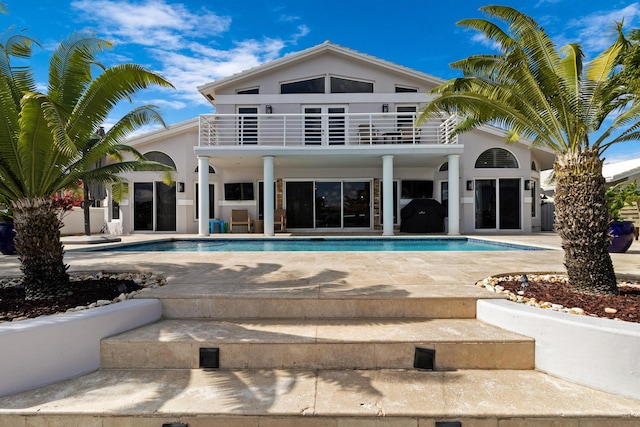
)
(326, 46)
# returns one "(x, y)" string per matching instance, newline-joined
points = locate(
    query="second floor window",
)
(340, 85)
(315, 85)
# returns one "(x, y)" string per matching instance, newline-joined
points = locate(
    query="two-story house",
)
(332, 132)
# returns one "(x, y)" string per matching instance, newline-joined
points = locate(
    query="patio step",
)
(324, 398)
(318, 344)
(272, 301)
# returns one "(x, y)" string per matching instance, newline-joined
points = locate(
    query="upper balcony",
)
(318, 128)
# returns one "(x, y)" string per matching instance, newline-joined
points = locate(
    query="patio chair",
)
(280, 219)
(240, 217)
(367, 134)
(409, 134)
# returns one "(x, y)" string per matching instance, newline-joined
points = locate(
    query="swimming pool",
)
(314, 245)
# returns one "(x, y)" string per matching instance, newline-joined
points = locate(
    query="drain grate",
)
(175, 425)
(210, 358)
(448, 424)
(424, 358)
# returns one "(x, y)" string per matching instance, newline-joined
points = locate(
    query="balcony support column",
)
(454, 195)
(203, 195)
(387, 195)
(269, 196)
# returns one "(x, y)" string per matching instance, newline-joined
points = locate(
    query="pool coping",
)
(496, 242)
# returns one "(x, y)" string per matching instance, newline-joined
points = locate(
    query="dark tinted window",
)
(252, 91)
(496, 158)
(400, 89)
(238, 191)
(339, 85)
(304, 86)
(157, 156)
(417, 189)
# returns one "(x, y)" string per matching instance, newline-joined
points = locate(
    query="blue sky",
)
(195, 42)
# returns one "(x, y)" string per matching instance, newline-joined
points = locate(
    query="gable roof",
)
(317, 50)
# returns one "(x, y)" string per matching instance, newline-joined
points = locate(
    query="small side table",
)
(258, 226)
(213, 223)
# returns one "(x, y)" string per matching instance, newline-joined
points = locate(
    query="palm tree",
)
(48, 143)
(557, 101)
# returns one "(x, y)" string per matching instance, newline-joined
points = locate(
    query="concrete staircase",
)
(284, 360)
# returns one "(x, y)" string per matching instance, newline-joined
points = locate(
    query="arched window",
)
(444, 167)
(496, 158)
(533, 166)
(211, 169)
(160, 157)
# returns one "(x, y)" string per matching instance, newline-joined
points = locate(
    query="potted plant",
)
(622, 232)
(7, 232)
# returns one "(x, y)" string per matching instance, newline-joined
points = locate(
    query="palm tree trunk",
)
(39, 249)
(582, 221)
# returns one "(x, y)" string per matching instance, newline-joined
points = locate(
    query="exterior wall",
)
(475, 144)
(248, 168)
(328, 63)
(180, 148)
(74, 221)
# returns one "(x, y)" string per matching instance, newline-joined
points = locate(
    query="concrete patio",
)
(319, 339)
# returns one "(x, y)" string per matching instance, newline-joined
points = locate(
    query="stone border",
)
(600, 353)
(41, 351)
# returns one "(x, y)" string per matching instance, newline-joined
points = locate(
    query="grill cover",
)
(423, 216)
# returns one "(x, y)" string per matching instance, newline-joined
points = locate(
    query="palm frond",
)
(115, 84)
(70, 67)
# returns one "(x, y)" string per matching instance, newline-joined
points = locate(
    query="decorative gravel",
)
(551, 291)
(89, 290)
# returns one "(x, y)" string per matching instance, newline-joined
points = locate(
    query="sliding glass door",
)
(328, 204)
(497, 204)
(154, 206)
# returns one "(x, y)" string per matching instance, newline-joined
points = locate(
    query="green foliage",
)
(50, 141)
(621, 195)
(536, 91)
(53, 141)
(556, 100)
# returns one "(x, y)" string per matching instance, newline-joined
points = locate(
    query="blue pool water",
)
(315, 245)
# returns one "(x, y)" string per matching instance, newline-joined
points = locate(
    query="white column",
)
(387, 195)
(267, 164)
(203, 195)
(454, 195)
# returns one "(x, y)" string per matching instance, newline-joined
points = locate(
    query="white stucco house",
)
(331, 130)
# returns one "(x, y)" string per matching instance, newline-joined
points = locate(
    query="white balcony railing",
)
(322, 129)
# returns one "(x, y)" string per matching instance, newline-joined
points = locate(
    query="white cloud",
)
(481, 39)
(152, 22)
(178, 42)
(595, 32)
(204, 64)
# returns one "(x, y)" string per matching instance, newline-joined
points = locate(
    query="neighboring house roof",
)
(612, 172)
(327, 46)
(154, 135)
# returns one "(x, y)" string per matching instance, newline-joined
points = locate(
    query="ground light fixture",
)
(424, 358)
(175, 425)
(448, 424)
(210, 358)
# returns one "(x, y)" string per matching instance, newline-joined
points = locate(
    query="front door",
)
(325, 125)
